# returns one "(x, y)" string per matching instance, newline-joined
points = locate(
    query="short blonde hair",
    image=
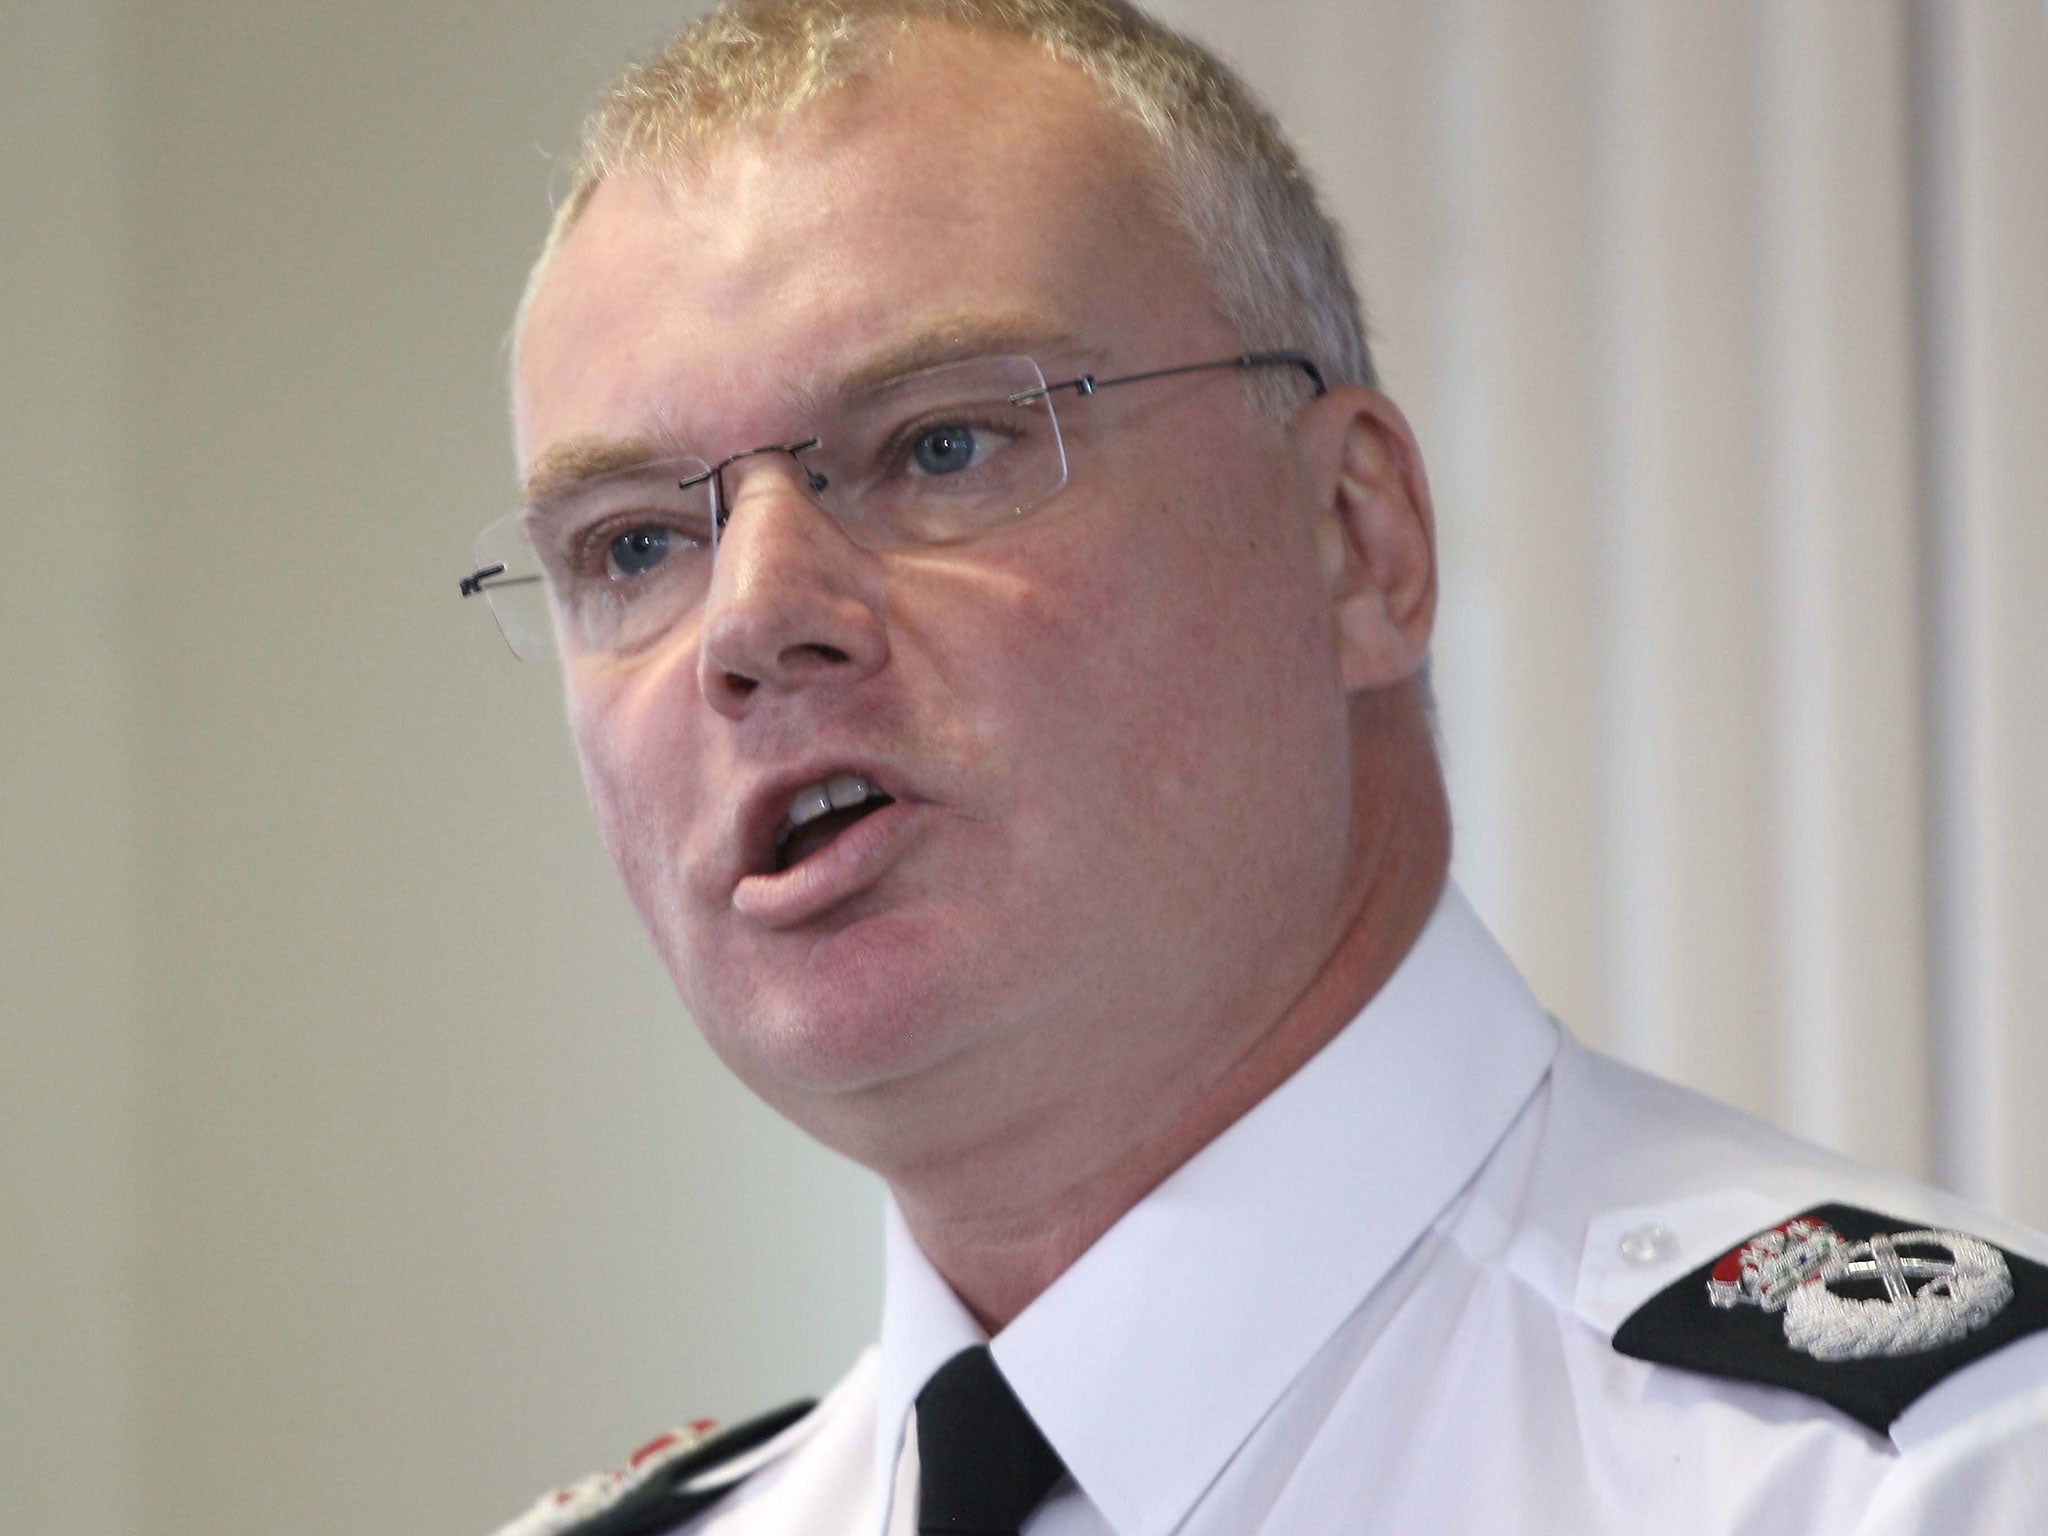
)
(1229, 178)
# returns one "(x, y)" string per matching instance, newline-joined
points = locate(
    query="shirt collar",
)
(1150, 1361)
(923, 1326)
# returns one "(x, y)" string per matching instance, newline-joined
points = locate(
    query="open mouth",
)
(819, 812)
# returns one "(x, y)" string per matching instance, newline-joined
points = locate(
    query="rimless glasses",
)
(616, 561)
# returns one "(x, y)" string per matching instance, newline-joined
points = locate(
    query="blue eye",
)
(945, 450)
(638, 550)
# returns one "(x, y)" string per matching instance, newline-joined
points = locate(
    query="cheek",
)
(1209, 624)
(639, 794)
(1164, 666)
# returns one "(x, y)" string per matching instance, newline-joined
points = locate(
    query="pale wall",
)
(70, 1329)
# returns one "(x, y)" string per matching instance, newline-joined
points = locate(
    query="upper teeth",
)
(833, 794)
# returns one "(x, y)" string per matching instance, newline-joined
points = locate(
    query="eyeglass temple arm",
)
(1299, 360)
(482, 581)
(1088, 384)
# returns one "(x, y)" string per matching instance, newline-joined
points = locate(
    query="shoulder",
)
(1867, 1311)
(1700, 1240)
(800, 1457)
(670, 1479)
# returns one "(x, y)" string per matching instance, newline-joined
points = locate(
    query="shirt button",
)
(1649, 1245)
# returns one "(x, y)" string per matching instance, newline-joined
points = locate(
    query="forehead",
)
(971, 186)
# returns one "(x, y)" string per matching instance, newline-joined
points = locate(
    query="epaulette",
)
(664, 1483)
(1862, 1311)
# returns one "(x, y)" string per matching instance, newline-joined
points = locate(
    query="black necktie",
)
(983, 1466)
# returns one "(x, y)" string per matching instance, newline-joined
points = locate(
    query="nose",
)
(794, 604)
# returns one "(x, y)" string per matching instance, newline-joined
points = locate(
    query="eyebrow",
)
(576, 461)
(956, 339)
(563, 467)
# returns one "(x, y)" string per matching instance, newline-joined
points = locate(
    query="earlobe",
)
(1375, 536)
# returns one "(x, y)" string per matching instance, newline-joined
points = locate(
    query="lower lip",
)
(849, 864)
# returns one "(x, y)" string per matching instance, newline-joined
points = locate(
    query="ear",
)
(1375, 533)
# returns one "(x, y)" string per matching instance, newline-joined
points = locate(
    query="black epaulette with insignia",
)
(652, 1496)
(1860, 1310)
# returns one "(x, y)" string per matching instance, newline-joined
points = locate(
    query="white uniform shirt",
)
(1382, 1302)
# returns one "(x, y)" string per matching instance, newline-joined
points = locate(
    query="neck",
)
(998, 1261)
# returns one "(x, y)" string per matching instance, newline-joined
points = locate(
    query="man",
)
(995, 604)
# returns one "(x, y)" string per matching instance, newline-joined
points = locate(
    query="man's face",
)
(1114, 733)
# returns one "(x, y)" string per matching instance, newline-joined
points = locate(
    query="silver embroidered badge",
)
(1927, 1301)
(582, 1501)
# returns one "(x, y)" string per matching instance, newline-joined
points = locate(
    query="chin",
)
(836, 1015)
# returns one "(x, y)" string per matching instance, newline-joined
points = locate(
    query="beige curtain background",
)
(357, 1169)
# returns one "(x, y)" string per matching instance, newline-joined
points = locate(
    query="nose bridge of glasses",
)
(790, 463)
